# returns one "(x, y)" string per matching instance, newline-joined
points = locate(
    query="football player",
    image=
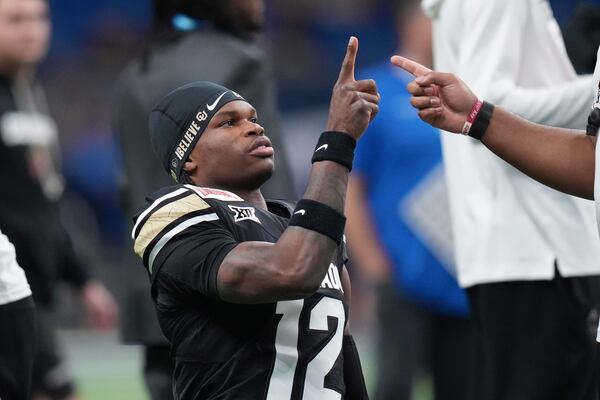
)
(252, 294)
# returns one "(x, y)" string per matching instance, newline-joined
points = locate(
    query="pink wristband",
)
(471, 117)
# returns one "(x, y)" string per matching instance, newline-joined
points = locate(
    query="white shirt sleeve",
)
(490, 58)
(13, 283)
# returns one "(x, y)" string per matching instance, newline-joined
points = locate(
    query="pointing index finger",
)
(410, 66)
(347, 71)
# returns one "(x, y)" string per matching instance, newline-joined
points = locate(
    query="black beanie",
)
(178, 120)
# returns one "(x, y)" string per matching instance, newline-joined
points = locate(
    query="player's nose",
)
(254, 129)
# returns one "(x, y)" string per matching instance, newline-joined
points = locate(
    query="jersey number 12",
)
(286, 348)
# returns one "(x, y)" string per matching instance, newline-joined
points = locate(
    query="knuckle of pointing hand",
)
(424, 115)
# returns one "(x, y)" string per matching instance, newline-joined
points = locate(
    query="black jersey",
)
(274, 351)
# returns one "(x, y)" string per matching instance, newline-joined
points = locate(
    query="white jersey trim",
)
(153, 206)
(179, 228)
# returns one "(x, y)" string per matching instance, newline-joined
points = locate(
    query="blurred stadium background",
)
(92, 41)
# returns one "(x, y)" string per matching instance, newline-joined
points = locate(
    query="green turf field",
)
(107, 370)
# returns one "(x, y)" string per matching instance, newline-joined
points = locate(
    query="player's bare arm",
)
(560, 158)
(294, 266)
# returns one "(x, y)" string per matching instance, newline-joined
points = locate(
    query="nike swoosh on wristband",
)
(301, 212)
(213, 105)
(322, 147)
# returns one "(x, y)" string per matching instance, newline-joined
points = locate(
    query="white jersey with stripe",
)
(13, 283)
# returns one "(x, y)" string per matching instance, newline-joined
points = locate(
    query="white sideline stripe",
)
(153, 206)
(169, 235)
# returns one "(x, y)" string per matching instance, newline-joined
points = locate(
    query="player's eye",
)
(254, 120)
(227, 122)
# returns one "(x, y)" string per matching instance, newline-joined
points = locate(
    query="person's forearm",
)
(295, 266)
(362, 238)
(560, 158)
(327, 184)
(73, 269)
(309, 253)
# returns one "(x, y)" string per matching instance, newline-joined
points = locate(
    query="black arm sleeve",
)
(73, 270)
(190, 261)
(356, 389)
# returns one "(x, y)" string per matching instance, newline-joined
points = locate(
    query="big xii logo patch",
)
(244, 213)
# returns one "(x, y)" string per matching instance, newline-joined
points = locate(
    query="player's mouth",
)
(261, 147)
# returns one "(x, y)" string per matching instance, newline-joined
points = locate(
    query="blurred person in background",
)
(528, 255)
(32, 186)
(211, 40)
(17, 319)
(399, 244)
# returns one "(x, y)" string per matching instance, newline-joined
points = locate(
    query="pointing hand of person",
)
(353, 103)
(443, 100)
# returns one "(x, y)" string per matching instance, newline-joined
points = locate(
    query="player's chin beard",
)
(248, 182)
(257, 180)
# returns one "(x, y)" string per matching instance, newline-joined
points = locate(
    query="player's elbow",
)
(300, 282)
(246, 285)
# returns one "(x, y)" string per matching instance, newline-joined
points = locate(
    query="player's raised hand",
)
(353, 103)
(443, 100)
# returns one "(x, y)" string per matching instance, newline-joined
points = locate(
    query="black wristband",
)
(337, 147)
(319, 217)
(482, 121)
(593, 122)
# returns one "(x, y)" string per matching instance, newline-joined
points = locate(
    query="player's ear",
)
(190, 166)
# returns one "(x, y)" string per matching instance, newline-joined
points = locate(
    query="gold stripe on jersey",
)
(163, 216)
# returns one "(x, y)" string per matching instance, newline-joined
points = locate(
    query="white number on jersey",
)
(286, 348)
